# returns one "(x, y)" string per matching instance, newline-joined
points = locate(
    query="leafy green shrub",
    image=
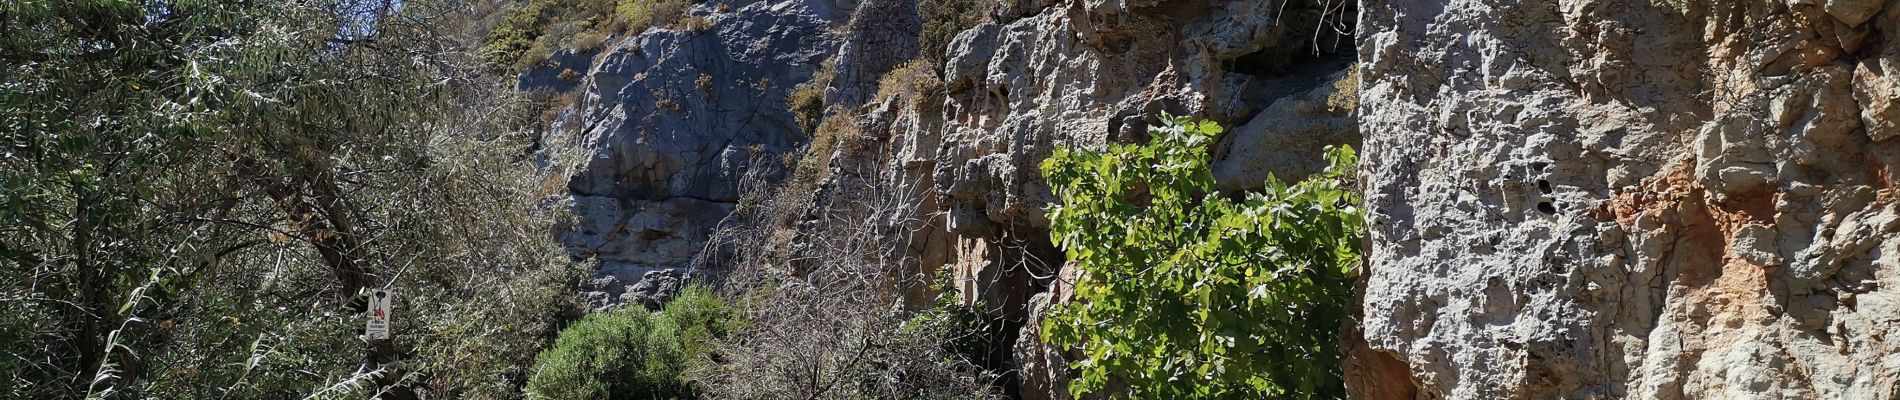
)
(516, 34)
(630, 353)
(1188, 294)
(699, 317)
(622, 354)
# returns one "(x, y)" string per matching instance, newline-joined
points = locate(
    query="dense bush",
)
(802, 343)
(1185, 293)
(243, 170)
(630, 353)
(623, 354)
(699, 318)
(915, 82)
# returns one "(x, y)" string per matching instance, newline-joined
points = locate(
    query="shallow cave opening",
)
(1033, 263)
(1282, 71)
(1314, 42)
(1273, 61)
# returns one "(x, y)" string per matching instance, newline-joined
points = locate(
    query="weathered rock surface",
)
(881, 35)
(668, 121)
(562, 72)
(1629, 199)
(651, 290)
(963, 161)
(949, 172)
(1083, 74)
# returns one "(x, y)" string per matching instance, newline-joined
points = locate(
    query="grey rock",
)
(654, 234)
(1853, 12)
(883, 34)
(969, 56)
(668, 122)
(1717, 201)
(1288, 138)
(1044, 368)
(1877, 90)
(563, 72)
(655, 288)
(966, 164)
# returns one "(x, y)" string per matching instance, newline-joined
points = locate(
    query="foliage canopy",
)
(1185, 293)
(630, 353)
(192, 191)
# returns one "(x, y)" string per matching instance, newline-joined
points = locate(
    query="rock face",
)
(1629, 199)
(1083, 74)
(962, 159)
(667, 122)
(882, 34)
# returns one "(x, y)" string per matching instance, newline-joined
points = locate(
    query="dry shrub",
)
(526, 35)
(916, 81)
(822, 301)
(663, 101)
(807, 100)
(695, 24)
(588, 41)
(638, 15)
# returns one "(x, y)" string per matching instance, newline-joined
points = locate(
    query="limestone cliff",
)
(664, 124)
(1629, 199)
(948, 162)
(961, 152)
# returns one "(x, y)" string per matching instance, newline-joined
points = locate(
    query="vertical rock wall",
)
(666, 123)
(1079, 74)
(1629, 199)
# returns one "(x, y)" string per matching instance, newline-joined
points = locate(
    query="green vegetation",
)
(631, 353)
(1186, 293)
(623, 354)
(807, 100)
(828, 131)
(528, 34)
(194, 197)
(191, 195)
(699, 318)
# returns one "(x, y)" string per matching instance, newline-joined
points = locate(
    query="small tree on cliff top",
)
(1188, 294)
